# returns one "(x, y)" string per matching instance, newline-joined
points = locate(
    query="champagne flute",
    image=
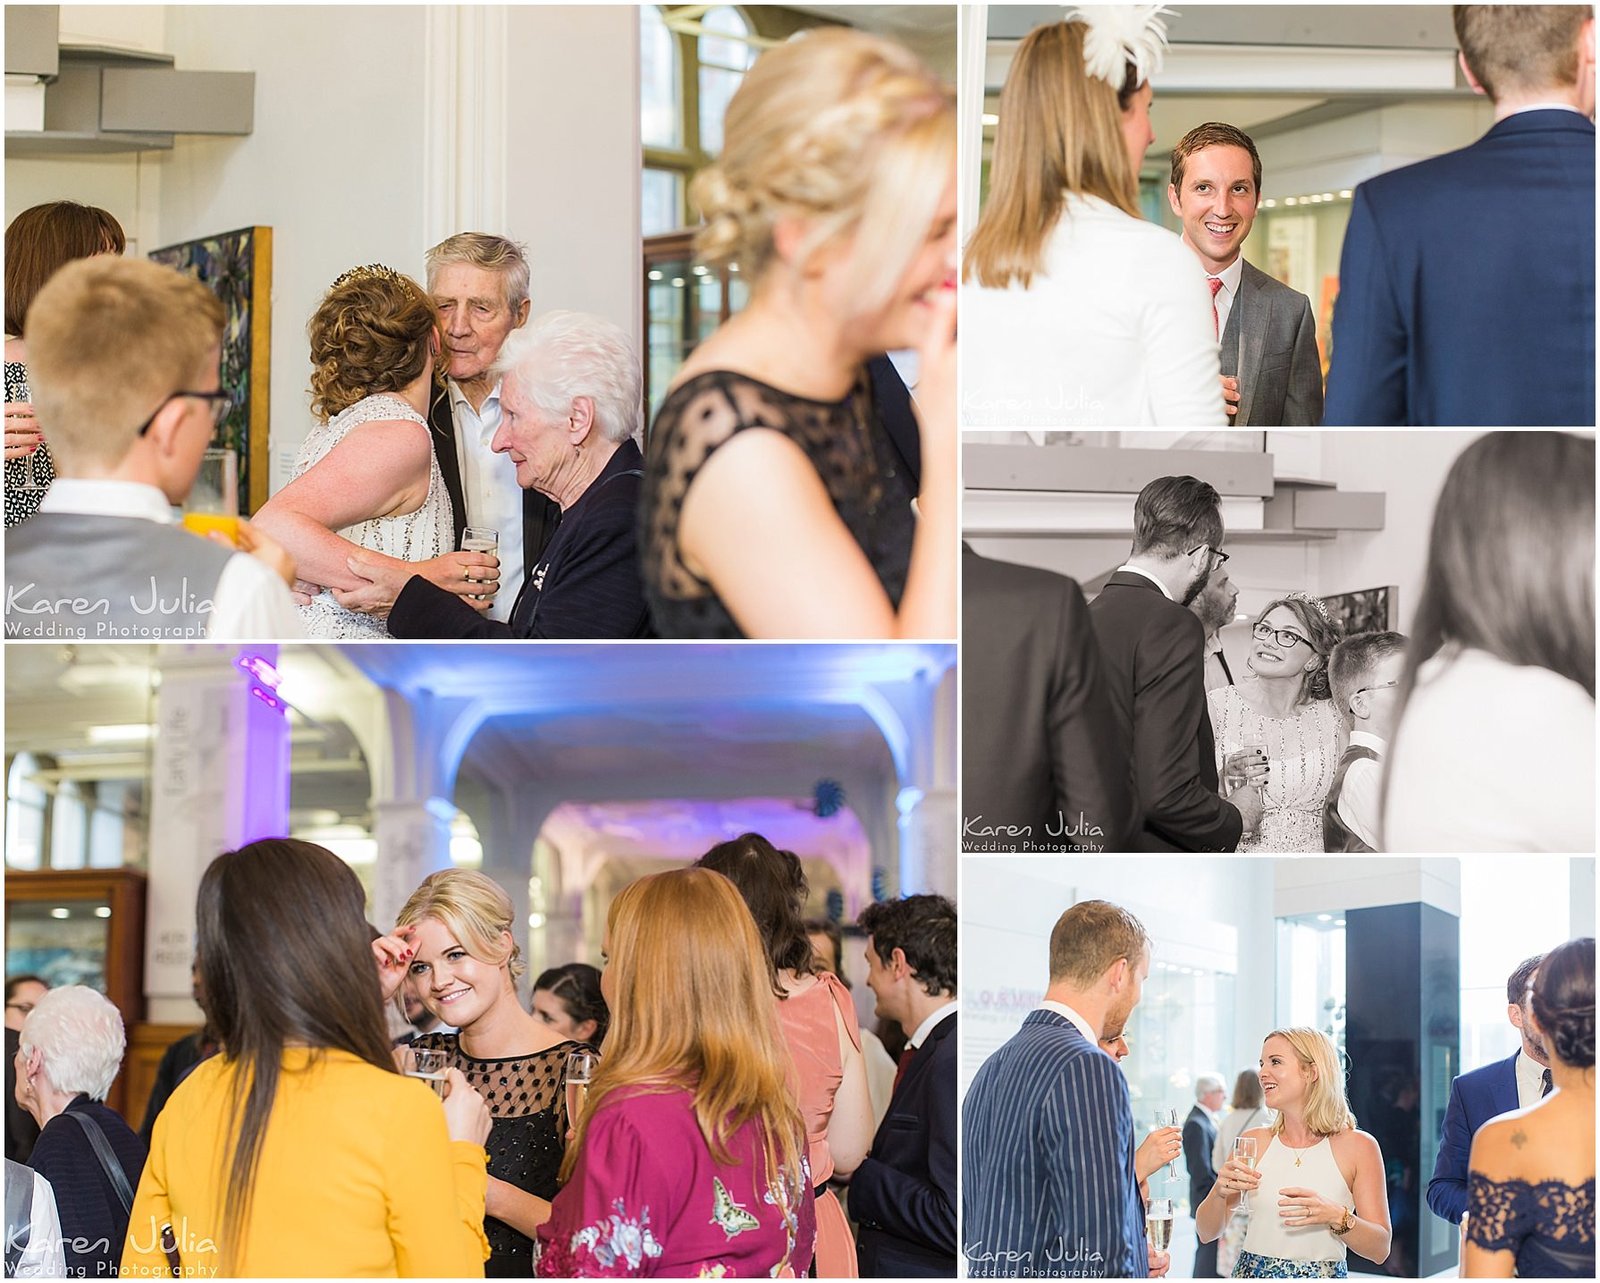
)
(1158, 1221)
(428, 1065)
(1256, 744)
(480, 539)
(1168, 1118)
(1244, 1149)
(581, 1066)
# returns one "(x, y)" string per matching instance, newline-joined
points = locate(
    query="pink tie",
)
(1215, 282)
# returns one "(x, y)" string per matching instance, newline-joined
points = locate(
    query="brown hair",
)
(1323, 635)
(1060, 131)
(373, 332)
(1354, 660)
(845, 130)
(1213, 134)
(1246, 1090)
(1091, 936)
(109, 339)
(1521, 47)
(41, 240)
(773, 885)
(1174, 514)
(285, 955)
(693, 1010)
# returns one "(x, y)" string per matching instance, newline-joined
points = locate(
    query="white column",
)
(974, 32)
(413, 840)
(220, 779)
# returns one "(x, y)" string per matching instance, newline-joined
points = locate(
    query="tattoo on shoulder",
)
(1519, 1139)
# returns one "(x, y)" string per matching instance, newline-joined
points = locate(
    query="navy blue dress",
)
(1549, 1225)
(93, 1224)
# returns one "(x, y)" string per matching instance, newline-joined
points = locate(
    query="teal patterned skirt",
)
(1252, 1266)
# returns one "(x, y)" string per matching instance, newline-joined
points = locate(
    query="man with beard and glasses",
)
(1517, 1082)
(1152, 649)
(1048, 1181)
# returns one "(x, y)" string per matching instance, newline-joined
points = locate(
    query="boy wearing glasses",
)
(1365, 673)
(123, 361)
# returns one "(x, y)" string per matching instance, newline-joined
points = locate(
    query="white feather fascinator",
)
(1119, 34)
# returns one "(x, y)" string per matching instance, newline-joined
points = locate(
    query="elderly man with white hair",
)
(1199, 1135)
(72, 1045)
(571, 405)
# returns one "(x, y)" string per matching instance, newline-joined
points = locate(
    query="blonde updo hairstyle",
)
(1326, 1110)
(373, 332)
(848, 131)
(475, 909)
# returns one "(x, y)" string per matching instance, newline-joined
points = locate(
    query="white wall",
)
(1213, 913)
(347, 163)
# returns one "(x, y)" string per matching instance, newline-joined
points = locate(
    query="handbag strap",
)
(108, 1158)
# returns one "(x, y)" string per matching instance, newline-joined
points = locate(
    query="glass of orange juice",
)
(213, 502)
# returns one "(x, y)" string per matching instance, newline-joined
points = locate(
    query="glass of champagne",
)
(480, 539)
(1258, 746)
(213, 502)
(580, 1073)
(428, 1065)
(1158, 1221)
(1244, 1149)
(1168, 1118)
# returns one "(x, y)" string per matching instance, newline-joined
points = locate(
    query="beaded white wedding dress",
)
(1302, 753)
(417, 536)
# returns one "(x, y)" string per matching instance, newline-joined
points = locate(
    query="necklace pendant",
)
(1297, 1160)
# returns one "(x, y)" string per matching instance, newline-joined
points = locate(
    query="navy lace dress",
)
(1549, 1225)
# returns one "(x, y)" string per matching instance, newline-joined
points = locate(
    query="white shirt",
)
(1230, 276)
(252, 603)
(1135, 570)
(489, 488)
(1114, 331)
(1491, 756)
(1363, 787)
(1530, 1081)
(44, 1257)
(927, 1026)
(1061, 1009)
(1216, 675)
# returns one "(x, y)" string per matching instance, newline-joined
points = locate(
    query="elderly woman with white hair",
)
(571, 406)
(72, 1045)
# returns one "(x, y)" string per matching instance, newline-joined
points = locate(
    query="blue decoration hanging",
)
(827, 798)
(835, 905)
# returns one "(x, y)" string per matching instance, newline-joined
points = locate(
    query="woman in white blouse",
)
(1076, 311)
(1494, 746)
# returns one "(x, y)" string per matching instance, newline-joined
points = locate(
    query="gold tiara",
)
(369, 272)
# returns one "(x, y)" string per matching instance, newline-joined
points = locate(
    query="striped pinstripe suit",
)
(1047, 1181)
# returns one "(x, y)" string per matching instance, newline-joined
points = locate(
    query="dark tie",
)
(1545, 1084)
(906, 1057)
(1215, 282)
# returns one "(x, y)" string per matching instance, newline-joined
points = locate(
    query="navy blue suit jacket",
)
(903, 1195)
(1047, 1183)
(1467, 287)
(1475, 1098)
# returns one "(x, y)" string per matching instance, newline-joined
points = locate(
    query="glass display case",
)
(684, 303)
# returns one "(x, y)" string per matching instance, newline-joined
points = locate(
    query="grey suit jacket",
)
(1270, 344)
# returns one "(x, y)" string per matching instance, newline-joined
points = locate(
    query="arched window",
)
(691, 63)
(26, 802)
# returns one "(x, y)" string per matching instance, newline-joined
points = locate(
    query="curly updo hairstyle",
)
(1323, 634)
(846, 130)
(373, 332)
(1563, 1002)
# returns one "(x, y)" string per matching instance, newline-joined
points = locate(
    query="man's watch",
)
(1346, 1223)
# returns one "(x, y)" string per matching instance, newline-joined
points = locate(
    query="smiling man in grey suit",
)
(1271, 374)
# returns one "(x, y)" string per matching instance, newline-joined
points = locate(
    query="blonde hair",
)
(1060, 131)
(1326, 1110)
(108, 339)
(372, 332)
(693, 1009)
(848, 131)
(476, 910)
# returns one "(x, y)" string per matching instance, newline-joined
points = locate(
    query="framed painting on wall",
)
(1368, 610)
(237, 268)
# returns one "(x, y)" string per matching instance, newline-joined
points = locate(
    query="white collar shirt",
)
(251, 604)
(489, 488)
(929, 1024)
(1061, 1009)
(1530, 1081)
(1230, 276)
(1135, 570)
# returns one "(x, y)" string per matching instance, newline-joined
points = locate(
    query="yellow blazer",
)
(358, 1178)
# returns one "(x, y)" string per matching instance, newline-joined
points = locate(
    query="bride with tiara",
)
(373, 342)
(1277, 729)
